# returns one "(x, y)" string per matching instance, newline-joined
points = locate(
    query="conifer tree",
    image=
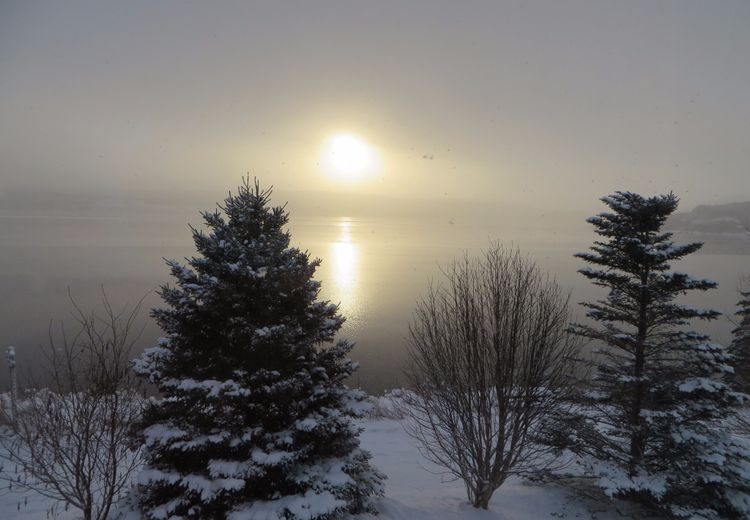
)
(741, 343)
(652, 418)
(254, 419)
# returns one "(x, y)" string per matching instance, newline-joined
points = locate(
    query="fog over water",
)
(120, 121)
(376, 262)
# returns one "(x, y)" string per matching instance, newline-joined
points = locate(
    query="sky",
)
(531, 104)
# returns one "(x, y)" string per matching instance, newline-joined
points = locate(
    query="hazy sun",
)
(348, 157)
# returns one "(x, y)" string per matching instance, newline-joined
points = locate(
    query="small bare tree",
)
(490, 362)
(69, 439)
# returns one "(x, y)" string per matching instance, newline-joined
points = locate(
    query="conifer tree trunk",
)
(637, 440)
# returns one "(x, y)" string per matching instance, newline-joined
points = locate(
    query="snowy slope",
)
(415, 490)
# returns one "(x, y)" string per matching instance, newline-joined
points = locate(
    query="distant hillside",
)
(723, 228)
(723, 218)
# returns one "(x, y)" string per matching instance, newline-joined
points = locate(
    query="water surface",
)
(375, 268)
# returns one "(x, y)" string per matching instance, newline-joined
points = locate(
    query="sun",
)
(347, 156)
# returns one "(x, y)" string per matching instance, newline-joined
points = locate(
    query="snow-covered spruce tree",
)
(653, 418)
(254, 419)
(741, 343)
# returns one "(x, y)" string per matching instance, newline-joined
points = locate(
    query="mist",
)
(534, 104)
(495, 121)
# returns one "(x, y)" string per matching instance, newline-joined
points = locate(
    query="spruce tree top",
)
(246, 287)
(636, 259)
(744, 308)
(634, 232)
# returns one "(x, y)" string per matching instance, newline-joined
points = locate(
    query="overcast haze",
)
(120, 121)
(524, 103)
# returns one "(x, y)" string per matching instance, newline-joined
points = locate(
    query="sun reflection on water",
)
(344, 258)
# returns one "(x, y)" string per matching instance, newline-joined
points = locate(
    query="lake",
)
(376, 268)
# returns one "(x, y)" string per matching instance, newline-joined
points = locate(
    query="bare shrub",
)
(387, 406)
(69, 439)
(490, 362)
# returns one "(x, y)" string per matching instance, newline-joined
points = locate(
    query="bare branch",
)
(70, 438)
(490, 362)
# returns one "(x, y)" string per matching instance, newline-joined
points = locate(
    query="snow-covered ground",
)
(415, 490)
(29, 506)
